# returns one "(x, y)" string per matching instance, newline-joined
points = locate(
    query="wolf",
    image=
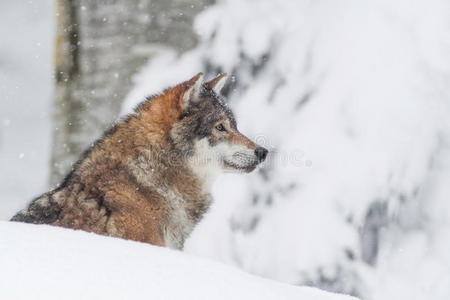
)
(149, 177)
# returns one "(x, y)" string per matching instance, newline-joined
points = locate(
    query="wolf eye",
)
(220, 127)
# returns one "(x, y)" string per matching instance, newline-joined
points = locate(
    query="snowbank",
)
(44, 262)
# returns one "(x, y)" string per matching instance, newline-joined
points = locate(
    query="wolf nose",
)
(261, 153)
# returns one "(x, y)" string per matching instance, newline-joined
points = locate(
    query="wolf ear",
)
(192, 90)
(217, 83)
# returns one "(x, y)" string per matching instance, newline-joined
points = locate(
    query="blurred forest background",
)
(352, 97)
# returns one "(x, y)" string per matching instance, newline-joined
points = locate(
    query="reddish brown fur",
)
(103, 196)
(238, 138)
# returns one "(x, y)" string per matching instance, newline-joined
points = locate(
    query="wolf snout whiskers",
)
(244, 158)
(244, 161)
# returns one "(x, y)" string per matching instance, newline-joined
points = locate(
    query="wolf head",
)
(206, 130)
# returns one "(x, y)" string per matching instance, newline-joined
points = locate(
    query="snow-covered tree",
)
(352, 98)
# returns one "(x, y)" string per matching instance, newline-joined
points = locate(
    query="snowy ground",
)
(44, 262)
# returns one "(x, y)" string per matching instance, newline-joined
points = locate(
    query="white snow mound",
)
(45, 262)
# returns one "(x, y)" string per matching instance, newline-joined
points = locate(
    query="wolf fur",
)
(149, 177)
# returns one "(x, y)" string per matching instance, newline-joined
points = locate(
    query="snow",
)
(26, 56)
(44, 262)
(352, 99)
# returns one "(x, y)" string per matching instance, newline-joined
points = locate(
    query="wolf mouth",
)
(234, 166)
